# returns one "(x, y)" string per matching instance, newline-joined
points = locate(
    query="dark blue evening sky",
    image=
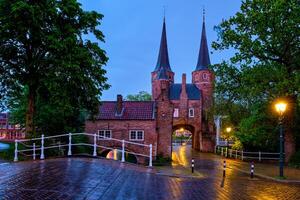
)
(132, 30)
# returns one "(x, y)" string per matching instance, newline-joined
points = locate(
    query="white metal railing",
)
(225, 143)
(34, 148)
(230, 153)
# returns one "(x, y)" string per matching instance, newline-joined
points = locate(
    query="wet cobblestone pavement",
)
(87, 178)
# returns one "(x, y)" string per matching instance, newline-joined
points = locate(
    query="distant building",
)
(174, 106)
(8, 131)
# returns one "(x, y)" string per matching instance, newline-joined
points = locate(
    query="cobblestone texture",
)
(86, 178)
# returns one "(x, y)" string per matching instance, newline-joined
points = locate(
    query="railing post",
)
(235, 154)
(259, 156)
(150, 155)
(34, 151)
(242, 154)
(95, 145)
(70, 145)
(16, 151)
(221, 151)
(123, 151)
(42, 157)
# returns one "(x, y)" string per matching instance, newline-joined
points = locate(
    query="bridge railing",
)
(245, 155)
(37, 146)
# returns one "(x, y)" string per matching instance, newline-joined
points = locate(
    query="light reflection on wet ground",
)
(87, 178)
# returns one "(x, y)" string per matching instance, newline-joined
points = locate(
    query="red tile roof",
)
(132, 110)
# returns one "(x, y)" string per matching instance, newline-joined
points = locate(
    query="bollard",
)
(224, 168)
(252, 170)
(193, 165)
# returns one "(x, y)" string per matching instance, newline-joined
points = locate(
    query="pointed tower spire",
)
(203, 58)
(163, 56)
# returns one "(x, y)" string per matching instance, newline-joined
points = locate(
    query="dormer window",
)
(191, 112)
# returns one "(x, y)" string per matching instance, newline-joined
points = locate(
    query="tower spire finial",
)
(203, 14)
(164, 12)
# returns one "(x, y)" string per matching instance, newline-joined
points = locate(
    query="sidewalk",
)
(208, 162)
(265, 170)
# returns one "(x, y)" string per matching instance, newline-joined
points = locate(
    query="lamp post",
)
(228, 130)
(280, 108)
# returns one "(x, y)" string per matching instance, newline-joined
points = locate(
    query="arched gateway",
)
(173, 106)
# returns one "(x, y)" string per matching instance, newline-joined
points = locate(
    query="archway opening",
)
(182, 135)
(182, 143)
(116, 154)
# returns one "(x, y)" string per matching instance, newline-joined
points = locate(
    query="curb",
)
(177, 175)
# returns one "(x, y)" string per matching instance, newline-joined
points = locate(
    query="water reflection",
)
(116, 154)
(3, 146)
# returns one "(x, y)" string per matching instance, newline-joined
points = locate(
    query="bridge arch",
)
(115, 153)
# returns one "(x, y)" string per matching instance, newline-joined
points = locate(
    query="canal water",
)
(3, 146)
(116, 154)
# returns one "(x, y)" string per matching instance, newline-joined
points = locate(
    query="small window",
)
(191, 112)
(205, 77)
(104, 134)
(176, 112)
(136, 135)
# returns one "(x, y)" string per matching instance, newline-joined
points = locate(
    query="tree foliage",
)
(141, 96)
(47, 68)
(265, 66)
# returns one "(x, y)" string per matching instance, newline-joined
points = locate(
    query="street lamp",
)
(228, 129)
(280, 108)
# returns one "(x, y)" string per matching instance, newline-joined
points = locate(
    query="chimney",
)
(119, 108)
(183, 85)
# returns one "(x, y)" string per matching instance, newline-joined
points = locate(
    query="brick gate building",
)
(173, 106)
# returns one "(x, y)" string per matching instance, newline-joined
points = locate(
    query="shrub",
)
(295, 160)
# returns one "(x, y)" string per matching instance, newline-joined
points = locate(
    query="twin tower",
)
(183, 105)
(202, 77)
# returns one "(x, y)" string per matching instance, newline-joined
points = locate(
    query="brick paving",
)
(87, 178)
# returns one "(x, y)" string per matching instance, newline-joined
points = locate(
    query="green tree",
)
(45, 62)
(141, 96)
(265, 35)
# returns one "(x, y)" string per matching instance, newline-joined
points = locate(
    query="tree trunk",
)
(289, 137)
(30, 129)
